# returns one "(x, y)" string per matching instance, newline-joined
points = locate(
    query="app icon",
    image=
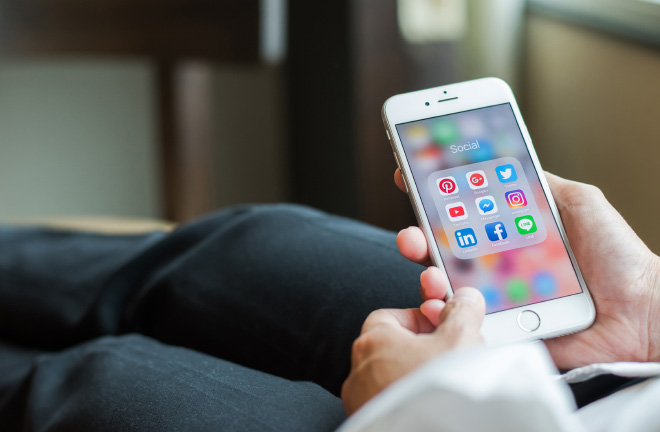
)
(477, 179)
(517, 290)
(516, 198)
(496, 231)
(486, 205)
(544, 284)
(456, 211)
(447, 185)
(492, 296)
(525, 225)
(506, 173)
(466, 237)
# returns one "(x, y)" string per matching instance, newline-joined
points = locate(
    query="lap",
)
(282, 289)
(133, 382)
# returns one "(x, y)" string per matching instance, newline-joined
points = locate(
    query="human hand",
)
(394, 342)
(621, 273)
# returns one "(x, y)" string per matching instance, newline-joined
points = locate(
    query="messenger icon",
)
(486, 205)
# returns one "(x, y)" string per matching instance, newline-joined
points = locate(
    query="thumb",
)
(463, 314)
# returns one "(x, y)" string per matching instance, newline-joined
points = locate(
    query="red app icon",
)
(456, 211)
(477, 179)
(447, 185)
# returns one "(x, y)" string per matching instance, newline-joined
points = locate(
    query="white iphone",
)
(485, 207)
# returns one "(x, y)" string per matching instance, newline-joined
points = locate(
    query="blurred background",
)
(170, 109)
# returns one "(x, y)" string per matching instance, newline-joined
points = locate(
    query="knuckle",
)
(578, 194)
(591, 191)
(462, 314)
(458, 306)
(459, 334)
(373, 316)
(363, 344)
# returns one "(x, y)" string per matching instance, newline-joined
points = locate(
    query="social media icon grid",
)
(487, 192)
(486, 205)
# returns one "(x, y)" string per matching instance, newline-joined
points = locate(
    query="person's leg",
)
(282, 289)
(133, 383)
(51, 283)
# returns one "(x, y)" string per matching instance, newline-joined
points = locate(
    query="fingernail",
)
(467, 293)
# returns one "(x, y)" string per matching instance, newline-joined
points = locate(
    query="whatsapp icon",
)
(525, 225)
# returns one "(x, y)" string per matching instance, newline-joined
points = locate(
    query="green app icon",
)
(445, 132)
(525, 225)
(517, 290)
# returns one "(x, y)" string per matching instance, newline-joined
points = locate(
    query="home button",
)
(529, 320)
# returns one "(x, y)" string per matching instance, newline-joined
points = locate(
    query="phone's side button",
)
(396, 159)
(529, 321)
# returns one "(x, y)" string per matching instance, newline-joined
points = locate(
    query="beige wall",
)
(592, 105)
(78, 137)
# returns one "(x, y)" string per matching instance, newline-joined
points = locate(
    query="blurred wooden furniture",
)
(99, 225)
(345, 58)
(170, 32)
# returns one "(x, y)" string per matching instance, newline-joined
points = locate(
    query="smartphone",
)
(482, 200)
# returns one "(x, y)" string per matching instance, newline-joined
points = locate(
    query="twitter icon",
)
(506, 173)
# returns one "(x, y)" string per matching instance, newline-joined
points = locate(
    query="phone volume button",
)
(396, 159)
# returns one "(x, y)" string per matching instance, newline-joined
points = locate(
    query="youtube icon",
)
(456, 211)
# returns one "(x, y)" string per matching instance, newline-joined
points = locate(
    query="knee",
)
(269, 221)
(107, 359)
(267, 213)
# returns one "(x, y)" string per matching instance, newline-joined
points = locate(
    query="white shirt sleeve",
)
(504, 389)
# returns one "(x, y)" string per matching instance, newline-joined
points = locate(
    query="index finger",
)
(398, 180)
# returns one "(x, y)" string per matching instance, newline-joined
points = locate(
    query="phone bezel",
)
(559, 316)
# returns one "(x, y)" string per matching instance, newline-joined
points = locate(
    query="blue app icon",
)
(492, 296)
(486, 205)
(545, 284)
(506, 173)
(496, 231)
(466, 237)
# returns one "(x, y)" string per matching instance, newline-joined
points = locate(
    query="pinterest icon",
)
(447, 185)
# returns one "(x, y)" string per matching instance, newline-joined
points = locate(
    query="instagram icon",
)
(516, 198)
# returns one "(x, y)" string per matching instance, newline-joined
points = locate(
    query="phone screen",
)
(488, 213)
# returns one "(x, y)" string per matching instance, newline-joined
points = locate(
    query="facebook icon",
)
(496, 231)
(466, 237)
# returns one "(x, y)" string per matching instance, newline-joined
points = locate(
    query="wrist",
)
(654, 310)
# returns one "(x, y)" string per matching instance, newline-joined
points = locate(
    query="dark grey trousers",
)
(241, 321)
